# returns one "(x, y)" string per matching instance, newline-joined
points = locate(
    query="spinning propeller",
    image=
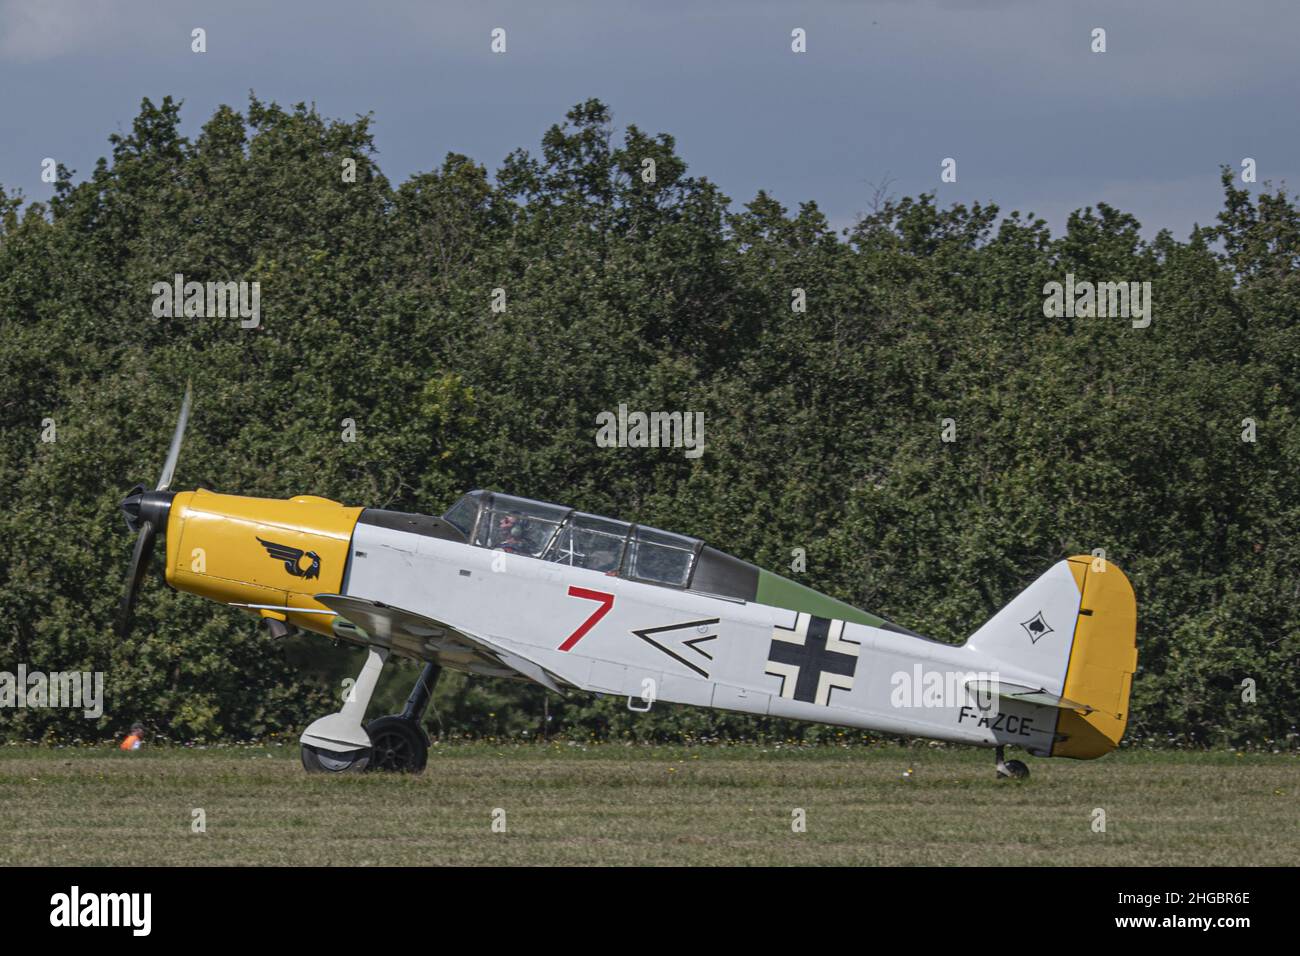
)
(146, 512)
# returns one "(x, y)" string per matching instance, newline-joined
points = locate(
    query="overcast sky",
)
(1011, 90)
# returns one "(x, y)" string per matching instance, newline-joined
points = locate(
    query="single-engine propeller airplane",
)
(501, 586)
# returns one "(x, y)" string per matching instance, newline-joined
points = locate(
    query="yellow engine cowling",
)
(234, 549)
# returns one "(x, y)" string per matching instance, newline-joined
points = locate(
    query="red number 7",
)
(606, 602)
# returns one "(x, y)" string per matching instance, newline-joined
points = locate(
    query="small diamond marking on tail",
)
(1036, 627)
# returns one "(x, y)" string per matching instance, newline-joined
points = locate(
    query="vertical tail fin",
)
(1074, 633)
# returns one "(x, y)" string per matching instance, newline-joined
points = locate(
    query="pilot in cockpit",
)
(511, 535)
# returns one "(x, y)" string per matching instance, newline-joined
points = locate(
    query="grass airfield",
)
(613, 804)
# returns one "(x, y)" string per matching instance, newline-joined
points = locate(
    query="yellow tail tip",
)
(1103, 659)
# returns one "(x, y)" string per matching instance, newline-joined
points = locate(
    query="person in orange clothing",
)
(135, 738)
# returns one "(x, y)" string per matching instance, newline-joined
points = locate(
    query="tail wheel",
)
(397, 745)
(320, 760)
(1015, 769)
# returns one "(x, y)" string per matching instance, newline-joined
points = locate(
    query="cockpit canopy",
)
(556, 533)
(565, 536)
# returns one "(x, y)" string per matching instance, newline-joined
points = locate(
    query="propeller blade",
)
(146, 512)
(174, 452)
(139, 565)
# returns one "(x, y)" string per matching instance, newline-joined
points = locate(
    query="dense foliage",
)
(823, 427)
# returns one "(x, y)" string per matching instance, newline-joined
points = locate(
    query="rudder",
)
(1103, 659)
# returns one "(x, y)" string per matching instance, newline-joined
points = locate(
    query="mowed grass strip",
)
(639, 805)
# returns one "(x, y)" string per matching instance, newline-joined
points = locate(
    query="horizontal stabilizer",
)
(1030, 695)
(427, 639)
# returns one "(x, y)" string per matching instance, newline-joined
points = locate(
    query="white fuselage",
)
(652, 643)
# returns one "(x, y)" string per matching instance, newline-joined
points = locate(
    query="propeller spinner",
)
(146, 513)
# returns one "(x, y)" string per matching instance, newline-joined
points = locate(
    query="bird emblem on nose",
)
(292, 558)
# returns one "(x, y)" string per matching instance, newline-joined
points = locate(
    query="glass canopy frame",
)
(565, 535)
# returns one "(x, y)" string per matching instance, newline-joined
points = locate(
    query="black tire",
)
(319, 760)
(1015, 769)
(397, 745)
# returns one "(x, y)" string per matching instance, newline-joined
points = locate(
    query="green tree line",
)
(825, 411)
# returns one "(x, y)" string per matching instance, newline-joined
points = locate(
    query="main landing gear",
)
(1010, 768)
(396, 744)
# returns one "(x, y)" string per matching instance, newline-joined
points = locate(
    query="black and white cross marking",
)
(1036, 627)
(668, 641)
(812, 659)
